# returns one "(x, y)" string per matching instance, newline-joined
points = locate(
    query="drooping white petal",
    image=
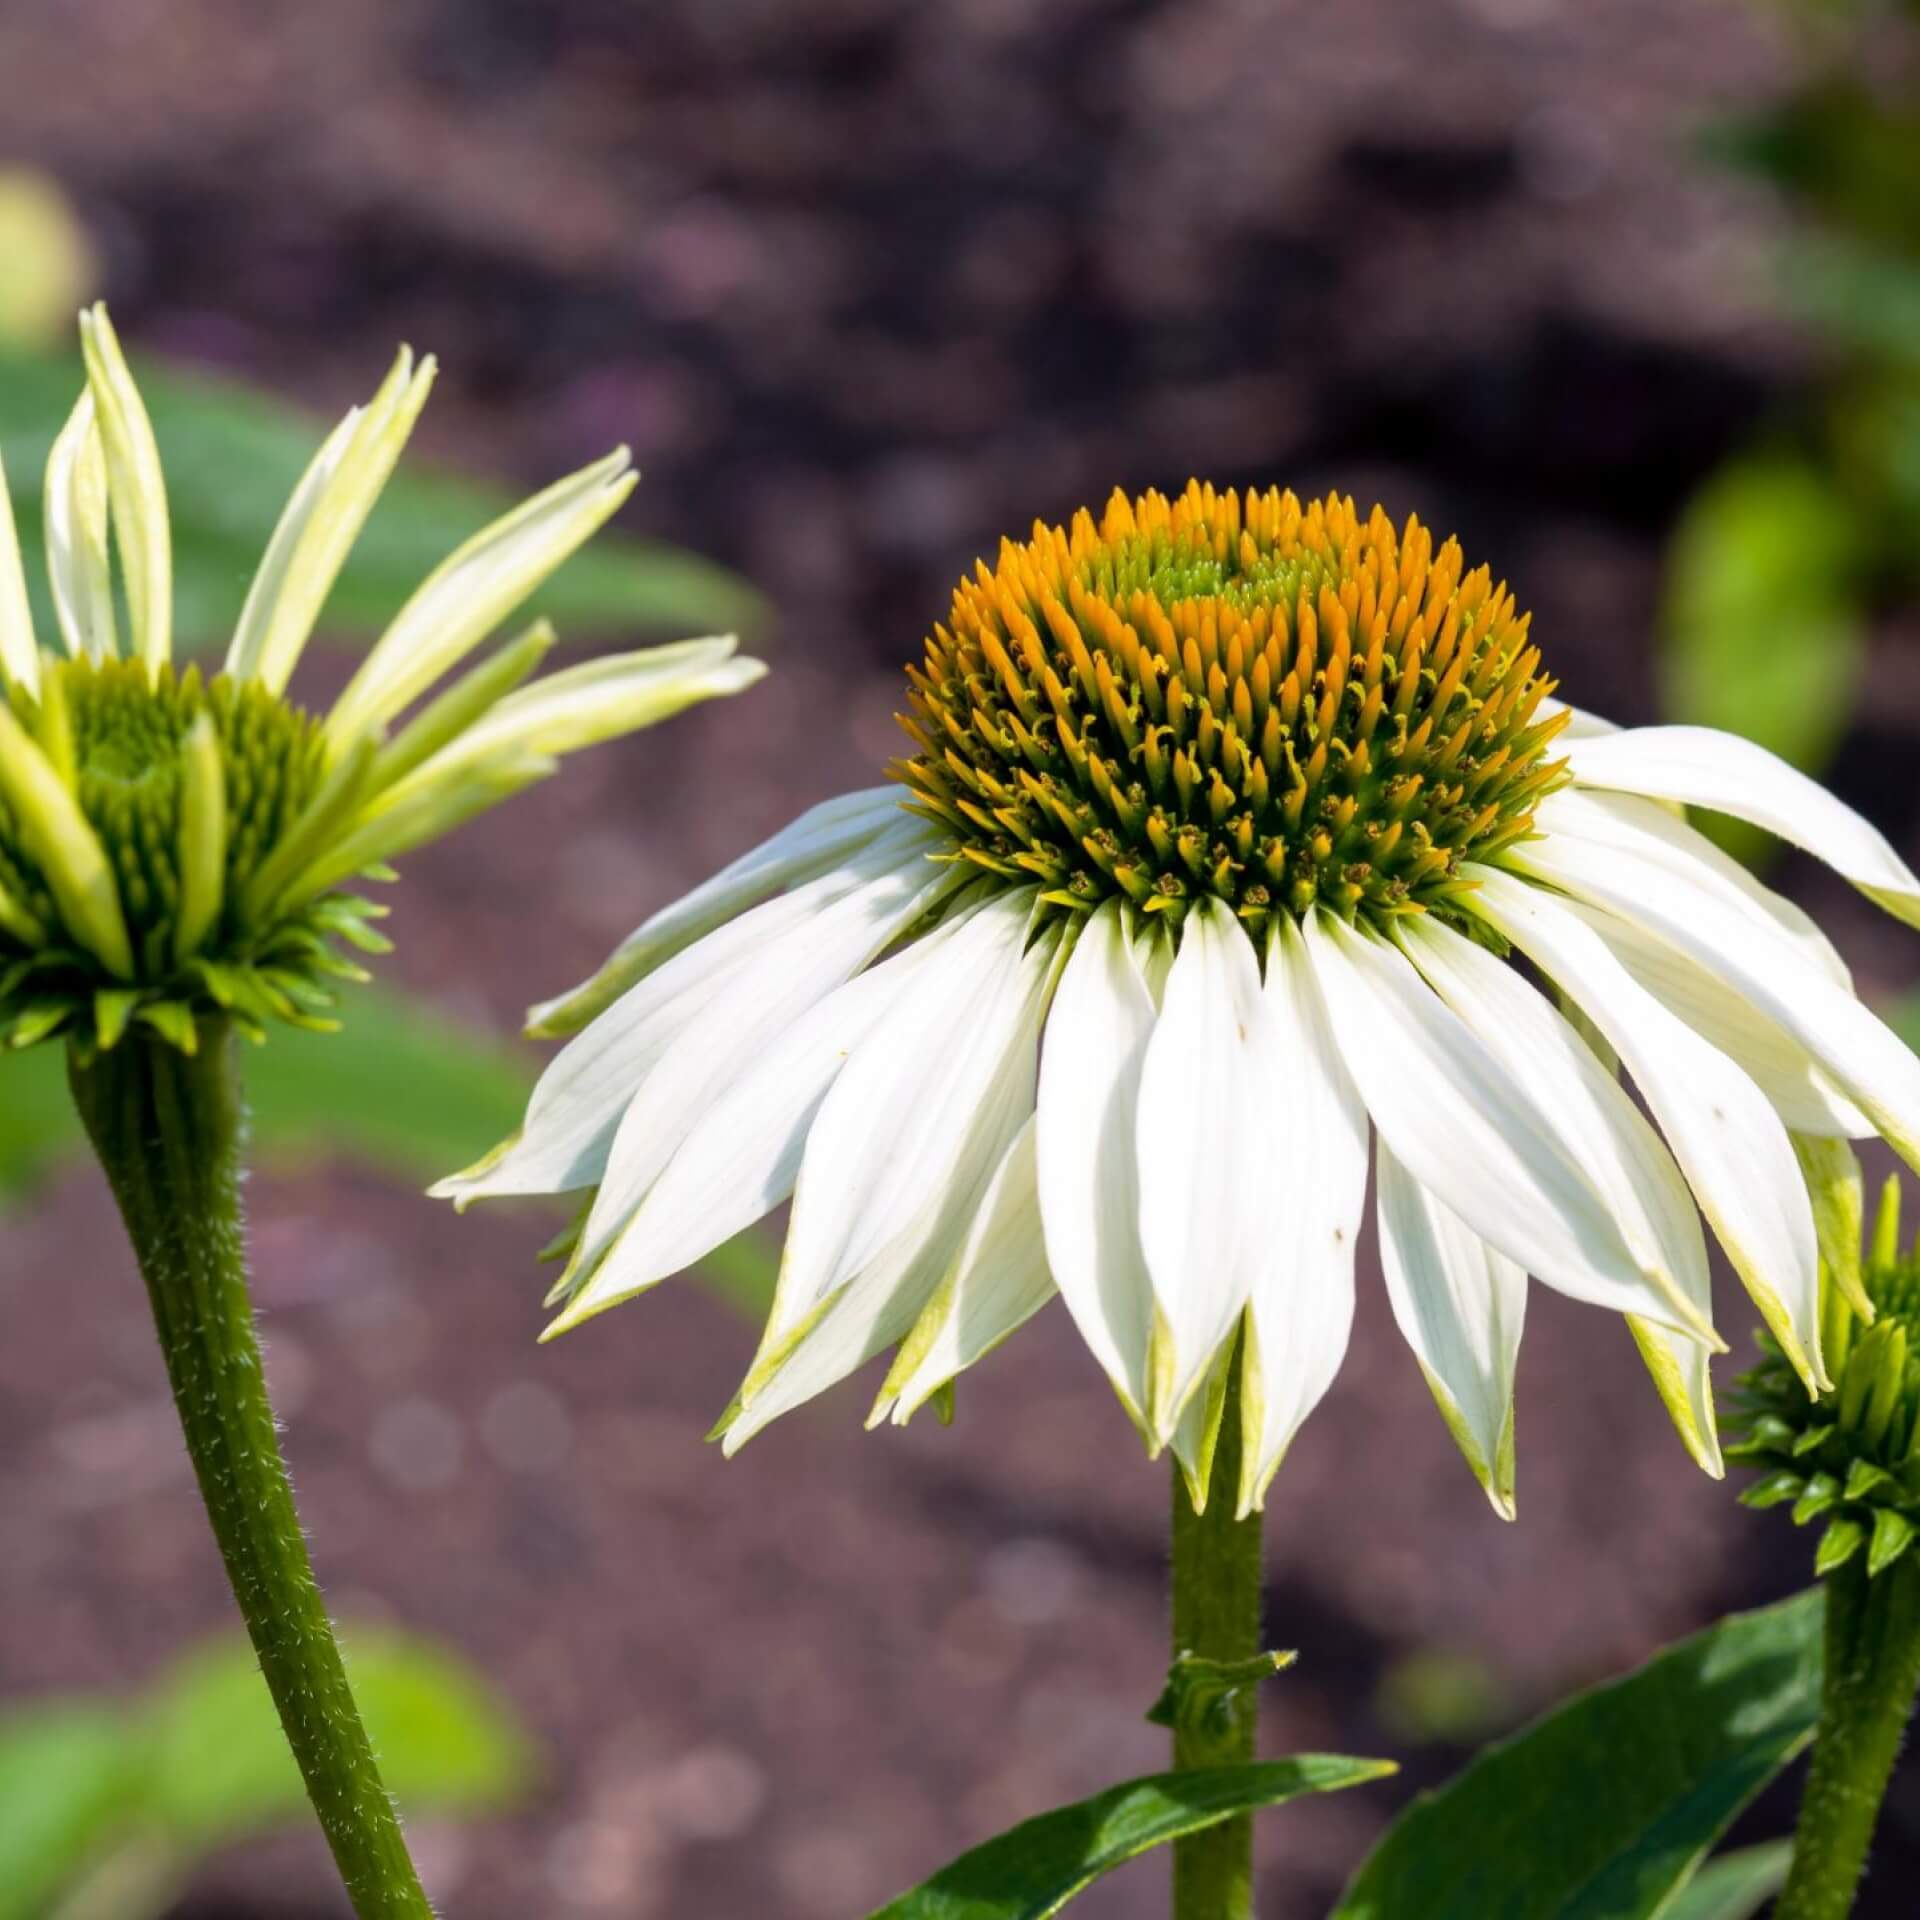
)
(1680, 1373)
(1649, 831)
(1603, 1132)
(1460, 1306)
(742, 1152)
(137, 488)
(1731, 1144)
(1702, 767)
(858, 907)
(808, 847)
(1301, 1306)
(1800, 1089)
(1469, 1130)
(472, 591)
(1201, 1152)
(321, 523)
(900, 1158)
(19, 655)
(1872, 1066)
(997, 1283)
(78, 570)
(767, 990)
(1097, 1034)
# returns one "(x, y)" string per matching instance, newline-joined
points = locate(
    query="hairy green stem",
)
(1867, 1695)
(1216, 1615)
(168, 1129)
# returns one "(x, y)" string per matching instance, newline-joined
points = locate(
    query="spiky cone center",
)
(123, 739)
(1281, 705)
(1849, 1460)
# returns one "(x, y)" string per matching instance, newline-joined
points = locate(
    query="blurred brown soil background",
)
(865, 284)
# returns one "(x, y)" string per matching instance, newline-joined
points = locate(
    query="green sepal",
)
(1821, 1492)
(1813, 1439)
(38, 1020)
(1775, 1490)
(1892, 1535)
(173, 1022)
(112, 1009)
(1864, 1479)
(1842, 1540)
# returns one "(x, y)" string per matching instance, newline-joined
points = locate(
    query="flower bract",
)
(1242, 849)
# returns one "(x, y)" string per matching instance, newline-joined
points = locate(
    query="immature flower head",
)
(1851, 1458)
(172, 845)
(1196, 902)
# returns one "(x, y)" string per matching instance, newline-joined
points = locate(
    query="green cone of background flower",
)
(173, 845)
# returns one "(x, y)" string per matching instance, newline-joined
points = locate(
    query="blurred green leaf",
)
(217, 1765)
(1760, 631)
(106, 1808)
(1605, 1808)
(1736, 1886)
(1035, 1869)
(64, 1777)
(233, 455)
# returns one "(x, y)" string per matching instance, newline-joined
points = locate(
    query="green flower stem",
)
(1872, 1675)
(1216, 1615)
(168, 1128)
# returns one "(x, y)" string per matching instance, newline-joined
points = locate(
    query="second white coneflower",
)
(1227, 821)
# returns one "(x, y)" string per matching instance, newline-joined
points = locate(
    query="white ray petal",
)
(996, 1284)
(1680, 1372)
(137, 488)
(1467, 1129)
(1870, 1063)
(767, 991)
(1647, 830)
(1731, 1144)
(1301, 1305)
(1603, 1131)
(19, 654)
(1096, 1043)
(900, 1158)
(856, 909)
(321, 523)
(78, 569)
(743, 1150)
(1460, 1306)
(473, 590)
(817, 841)
(1201, 1153)
(1702, 767)
(1801, 1090)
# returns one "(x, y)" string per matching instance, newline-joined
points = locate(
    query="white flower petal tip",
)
(1730, 1143)
(19, 653)
(998, 1281)
(812, 845)
(1680, 1375)
(1701, 767)
(1461, 1307)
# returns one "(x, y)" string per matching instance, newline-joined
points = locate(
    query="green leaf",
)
(64, 1775)
(233, 456)
(1603, 1809)
(217, 1765)
(1761, 631)
(1039, 1866)
(1734, 1887)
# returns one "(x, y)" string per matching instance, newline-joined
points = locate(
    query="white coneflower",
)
(1227, 819)
(171, 845)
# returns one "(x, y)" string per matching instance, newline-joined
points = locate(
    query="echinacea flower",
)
(1228, 821)
(172, 845)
